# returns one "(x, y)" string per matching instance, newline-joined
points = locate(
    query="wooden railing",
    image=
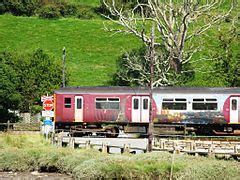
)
(194, 147)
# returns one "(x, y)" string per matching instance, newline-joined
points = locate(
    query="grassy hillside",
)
(91, 52)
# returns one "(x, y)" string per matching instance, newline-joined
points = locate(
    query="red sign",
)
(48, 105)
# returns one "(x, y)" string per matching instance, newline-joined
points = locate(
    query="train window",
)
(101, 99)
(198, 106)
(204, 106)
(135, 103)
(113, 99)
(211, 106)
(211, 99)
(107, 103)
(67, 102)
(167, 99)
(234, 104)
(79, 103)
(174, 106)
(198, 100)
(113, 103)
(145, 103)
(180, 99)
(101, 103)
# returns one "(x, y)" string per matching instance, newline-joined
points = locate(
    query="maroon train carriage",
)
(98, 109)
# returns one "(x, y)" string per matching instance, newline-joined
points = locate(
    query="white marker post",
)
(48, 113)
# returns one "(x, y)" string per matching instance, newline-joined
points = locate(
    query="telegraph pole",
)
(151, 58)
(63, 64)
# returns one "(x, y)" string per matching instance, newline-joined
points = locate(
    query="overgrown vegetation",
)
(48, 9)
(24, 78)
(29, 153)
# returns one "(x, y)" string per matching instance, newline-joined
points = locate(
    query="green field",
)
(91, 52)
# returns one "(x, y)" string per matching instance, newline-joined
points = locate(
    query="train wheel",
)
(112, 132)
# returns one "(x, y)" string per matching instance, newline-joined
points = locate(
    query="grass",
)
(91, 52)
(31, 153)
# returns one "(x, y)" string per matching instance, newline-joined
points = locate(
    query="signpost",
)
(48, 113)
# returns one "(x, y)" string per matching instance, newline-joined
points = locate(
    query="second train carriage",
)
(202, 109)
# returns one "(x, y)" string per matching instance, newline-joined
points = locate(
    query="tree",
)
(25, 77)
(226, 63)
(133, 69)
(178, 24)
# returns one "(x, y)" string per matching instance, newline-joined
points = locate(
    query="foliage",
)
(26, 77)
(29, 153)
(133, 69)
(84, 12)
(125, 5)
(20, 7)
(226, 63)
(48, 9)
(49, 12)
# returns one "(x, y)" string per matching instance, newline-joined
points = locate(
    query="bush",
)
(85, 12)
(50, 12)
(46, 9)
(20, 7)
(68, 10)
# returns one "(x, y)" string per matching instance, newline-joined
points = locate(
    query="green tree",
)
(25, 77)
(226, 61)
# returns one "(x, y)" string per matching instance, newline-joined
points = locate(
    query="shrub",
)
(20, 7)
(85, 12)
(68, 10)
(50, 12)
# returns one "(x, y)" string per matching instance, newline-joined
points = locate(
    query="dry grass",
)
(32, 152)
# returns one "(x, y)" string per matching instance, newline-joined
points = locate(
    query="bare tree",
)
(134, 69)
(178, 22)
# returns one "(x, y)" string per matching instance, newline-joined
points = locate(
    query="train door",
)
(140, 108)
(234, 110)
(78, 109)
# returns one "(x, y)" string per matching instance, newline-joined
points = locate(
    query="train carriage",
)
(214, 109)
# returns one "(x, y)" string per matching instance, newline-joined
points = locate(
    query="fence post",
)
(88, 145)
(53, 138)
(172, 165)
(8, 125)
(60, 139)
(72, 142)
(236, 149)
(105, 148)
(126, 148)
(211, 150)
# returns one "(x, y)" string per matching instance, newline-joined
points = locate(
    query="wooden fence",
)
(193, 147)
(71, 142)
(20, 126)
(199, 147)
